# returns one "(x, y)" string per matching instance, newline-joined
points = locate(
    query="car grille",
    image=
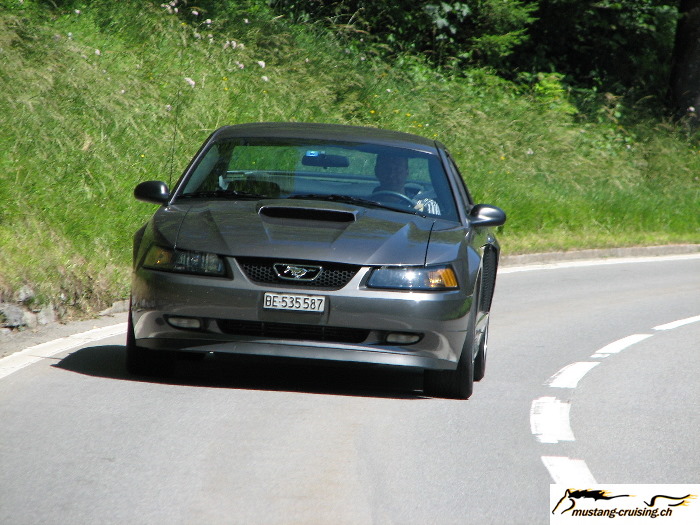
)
(333, 276)
(294, 331)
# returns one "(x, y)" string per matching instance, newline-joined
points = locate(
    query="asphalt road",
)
(587, 381)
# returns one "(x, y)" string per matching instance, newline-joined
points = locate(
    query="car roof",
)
(339, 132)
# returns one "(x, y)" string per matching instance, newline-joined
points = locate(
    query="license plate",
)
(294, 302)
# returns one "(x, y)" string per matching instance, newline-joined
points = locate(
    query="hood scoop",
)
(307, 214)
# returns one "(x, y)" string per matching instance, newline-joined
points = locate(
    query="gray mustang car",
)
(317, 241)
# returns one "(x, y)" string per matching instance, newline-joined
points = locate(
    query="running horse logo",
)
(296, 272)
(680, 500)
(572, 495)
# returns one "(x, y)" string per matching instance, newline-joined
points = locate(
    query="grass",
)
(94, 102)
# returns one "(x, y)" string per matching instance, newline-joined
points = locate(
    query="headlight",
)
(184, 261)
(414, 278)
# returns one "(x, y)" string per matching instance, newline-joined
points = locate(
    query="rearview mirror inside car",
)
(320, 159)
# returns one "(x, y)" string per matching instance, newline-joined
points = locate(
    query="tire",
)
(457, 383)
(480, 360)
(144, 362)
(453, 384)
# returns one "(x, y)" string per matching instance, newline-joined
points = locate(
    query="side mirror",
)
(153, 191)
(485, 215)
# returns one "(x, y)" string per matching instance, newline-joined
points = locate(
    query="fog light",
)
(400, 338)
(187, 323)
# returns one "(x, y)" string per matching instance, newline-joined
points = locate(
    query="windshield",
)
(362, 174)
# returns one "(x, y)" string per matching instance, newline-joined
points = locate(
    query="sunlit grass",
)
(94, 102)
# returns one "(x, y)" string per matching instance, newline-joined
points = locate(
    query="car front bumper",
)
(222, 305)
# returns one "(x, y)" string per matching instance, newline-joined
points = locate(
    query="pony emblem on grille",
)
(292, 272)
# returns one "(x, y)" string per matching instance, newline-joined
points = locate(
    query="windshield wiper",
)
(352, 200)
(223, 194)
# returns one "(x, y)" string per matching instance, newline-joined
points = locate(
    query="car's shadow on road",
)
(274, 374)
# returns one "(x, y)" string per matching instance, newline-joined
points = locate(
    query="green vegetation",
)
(95, 99)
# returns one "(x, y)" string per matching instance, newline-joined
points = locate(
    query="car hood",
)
(305, 230)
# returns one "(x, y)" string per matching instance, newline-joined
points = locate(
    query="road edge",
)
(508, 260)
(20, 340)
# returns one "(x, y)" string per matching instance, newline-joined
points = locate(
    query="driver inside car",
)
(392, 173)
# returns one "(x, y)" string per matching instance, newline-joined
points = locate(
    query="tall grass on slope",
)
(95, 101)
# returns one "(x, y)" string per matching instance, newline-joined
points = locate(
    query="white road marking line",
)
(549, 420)
(567, 471)
(570, 375)
(33, 354)
(676, 324)
(594, 262)
(618, 346)
(549, 417)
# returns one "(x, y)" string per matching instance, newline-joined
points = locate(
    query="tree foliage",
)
(600, 45)
(607, 45)
(641, 49)
(449, 33)
(685, 73)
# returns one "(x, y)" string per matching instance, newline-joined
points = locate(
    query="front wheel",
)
(457, 383)
(480, 360)
(144, 362)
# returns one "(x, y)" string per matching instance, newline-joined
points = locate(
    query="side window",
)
(461, 184)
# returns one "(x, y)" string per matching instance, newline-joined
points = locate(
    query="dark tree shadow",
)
(257, 373)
